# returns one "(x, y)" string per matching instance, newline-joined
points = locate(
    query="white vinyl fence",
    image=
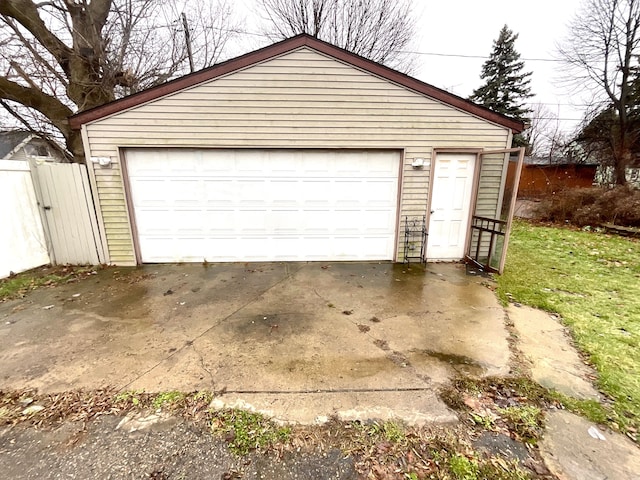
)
(48, 216)
(22, 240)
(68, 213)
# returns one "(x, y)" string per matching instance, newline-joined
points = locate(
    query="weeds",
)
(134, 398)
(592, 206)
(464, 468)
(168, 399)
(526, 421)
(592, 410)
(17, 286)
(485, 421)
(247, 431)
(389, 431)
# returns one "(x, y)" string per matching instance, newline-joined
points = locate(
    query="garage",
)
(194, 205)
(299, 151)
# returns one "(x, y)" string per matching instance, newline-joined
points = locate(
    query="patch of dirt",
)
(399, 359)
(500, 444)
(510, 406)
(381, 344)
(46, 276)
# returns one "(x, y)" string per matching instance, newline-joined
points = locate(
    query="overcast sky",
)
(468, 27)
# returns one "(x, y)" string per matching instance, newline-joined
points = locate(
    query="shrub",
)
(592, 206)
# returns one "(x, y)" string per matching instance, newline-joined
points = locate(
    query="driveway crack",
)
(288, 274)
(203, 366)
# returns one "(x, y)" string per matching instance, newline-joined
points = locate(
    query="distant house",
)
(541, 177)
(604, 176)
(21, 145)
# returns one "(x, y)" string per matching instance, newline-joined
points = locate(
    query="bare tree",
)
(60, 57)
(544, 137)
(380, 30)
(601, 52)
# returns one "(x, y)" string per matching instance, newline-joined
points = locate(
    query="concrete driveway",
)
(297, 341)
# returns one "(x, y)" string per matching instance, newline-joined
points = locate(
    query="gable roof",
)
(11, 140)
(285, 46)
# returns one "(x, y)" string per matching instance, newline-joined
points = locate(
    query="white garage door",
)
(263, 205)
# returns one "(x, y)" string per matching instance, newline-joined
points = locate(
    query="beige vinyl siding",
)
(302, 99)
(115, 218)
(491, 172)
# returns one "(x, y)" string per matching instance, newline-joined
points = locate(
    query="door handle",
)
(432, 212)
(47, 207)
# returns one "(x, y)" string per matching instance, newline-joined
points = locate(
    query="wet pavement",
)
(174, 449)
(555, 363)
(298, 341)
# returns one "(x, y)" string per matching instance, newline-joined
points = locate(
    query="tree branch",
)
(26, 13)
(49, 106)
(36, 56)
(98, 12)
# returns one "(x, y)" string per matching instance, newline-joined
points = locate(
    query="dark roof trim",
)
(303, 40)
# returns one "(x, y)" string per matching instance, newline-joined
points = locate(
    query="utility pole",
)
(187, 37)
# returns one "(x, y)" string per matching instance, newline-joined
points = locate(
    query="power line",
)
(481, 57)
(557, 118)
(413, 52)
(559, 104)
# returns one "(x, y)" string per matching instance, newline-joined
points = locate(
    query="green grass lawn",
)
(593, 281)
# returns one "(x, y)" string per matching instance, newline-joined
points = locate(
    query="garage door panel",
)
(314, 192)
(246, 163)
(284, 192)
(242, 205)
(220, 221)
(147, 165)
(231, 249)
(187, 222)
(151, 221)
(185, 192)
(287, 221)
(287, 248)
(248, 192)
(375, 221)
(245, 222)
(219, 192)
(150, 191)
(380, 191)
(250, 221)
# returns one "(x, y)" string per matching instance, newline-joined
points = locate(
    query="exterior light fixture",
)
(102, 161)
(418, 162)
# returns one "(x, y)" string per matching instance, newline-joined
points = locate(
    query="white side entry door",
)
(450, 206)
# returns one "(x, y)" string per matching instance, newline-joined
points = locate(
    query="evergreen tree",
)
(506, 86)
